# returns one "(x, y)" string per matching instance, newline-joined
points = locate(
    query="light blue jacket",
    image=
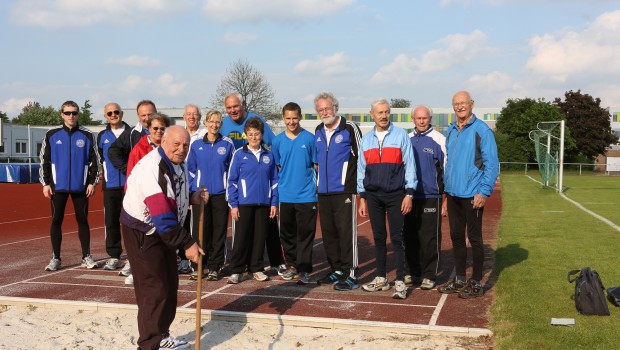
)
(472, 165)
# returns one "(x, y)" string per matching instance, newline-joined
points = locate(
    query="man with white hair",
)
(154, 209)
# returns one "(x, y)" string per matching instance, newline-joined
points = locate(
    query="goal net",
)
(548, 141)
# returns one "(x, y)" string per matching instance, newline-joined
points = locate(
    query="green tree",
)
(85, 117)
(255, 90)
(589, 123)
(518, 118)
(34, 114)
(4, 117)
(399, 103)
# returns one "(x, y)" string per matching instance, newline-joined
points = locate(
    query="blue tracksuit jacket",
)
(472, 165)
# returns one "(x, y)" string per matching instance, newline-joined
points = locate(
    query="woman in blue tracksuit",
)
(207, 164)
(253, 198)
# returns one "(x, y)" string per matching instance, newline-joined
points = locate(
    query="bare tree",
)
(252, 85)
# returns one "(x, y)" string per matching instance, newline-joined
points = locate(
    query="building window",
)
(39, 146)
(21, 147)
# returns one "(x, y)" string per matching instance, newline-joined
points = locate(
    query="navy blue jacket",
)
(338, 161)
(69, 159)
(208, 164)
(112, 178)
(429, 150)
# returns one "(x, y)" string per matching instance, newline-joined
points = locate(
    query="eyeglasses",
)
(253, 135)
(70, 113)
(214, 121)
(157, 128)
(326, 109)
(116, 112)
(462, 103)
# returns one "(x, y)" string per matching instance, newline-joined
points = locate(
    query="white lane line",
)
(578, 205)
(42, 217)
(45, 237)
(217, 291)
(588, 211)
(440, 304)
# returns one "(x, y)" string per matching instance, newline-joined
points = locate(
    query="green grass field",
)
(541, 237)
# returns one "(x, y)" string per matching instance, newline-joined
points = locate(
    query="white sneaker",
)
(126, 270)
(379, 283)
(129, 279)
(89, 263)
(400, 290)
(260, 276)
(233, 279)
(427, 284)
(172, 343)
(53, 265)
(111, 264)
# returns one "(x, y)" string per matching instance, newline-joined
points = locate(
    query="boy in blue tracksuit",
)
(113, 182)
(207, 164)
(69, 168)
(471, 170)
(386, 180)
(252, 194)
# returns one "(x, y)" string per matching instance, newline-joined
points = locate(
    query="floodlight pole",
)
(561, 170)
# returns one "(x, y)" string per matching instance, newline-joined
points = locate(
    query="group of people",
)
(157, 177)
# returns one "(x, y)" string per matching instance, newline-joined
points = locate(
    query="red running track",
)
(26, 249)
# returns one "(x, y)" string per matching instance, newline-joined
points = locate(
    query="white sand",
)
(42, 328)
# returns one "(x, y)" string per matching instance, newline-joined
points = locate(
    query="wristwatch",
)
(410, 196)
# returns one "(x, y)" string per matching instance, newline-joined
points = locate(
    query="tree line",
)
(588, 125)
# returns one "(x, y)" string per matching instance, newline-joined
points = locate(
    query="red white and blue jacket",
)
(157, 199)
(429, 150)
(69, 159)
(252, 181)
(337, 161)
(387, 168)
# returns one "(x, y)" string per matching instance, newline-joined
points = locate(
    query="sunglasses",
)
(157, 128)
(117, 112)
(70, 113)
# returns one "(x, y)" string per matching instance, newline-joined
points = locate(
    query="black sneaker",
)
(331, 278)
(473, 289)
(346, 284)
(452, 286)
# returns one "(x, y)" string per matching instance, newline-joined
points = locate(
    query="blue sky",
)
(176, 51)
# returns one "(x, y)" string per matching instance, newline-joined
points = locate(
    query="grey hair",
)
(212, 112)
(194, 106)
(235, 94)
(428, 109)
(380, 101)
(325, 95)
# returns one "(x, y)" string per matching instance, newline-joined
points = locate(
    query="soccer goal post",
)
(548, 141)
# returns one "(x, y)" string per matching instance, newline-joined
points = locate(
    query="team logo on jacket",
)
(266, 160)
(221, 151)
(80, 143)
(429, 150)
(339, 138)
(106, 141)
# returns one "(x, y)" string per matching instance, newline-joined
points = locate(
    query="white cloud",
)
(131, 84)
(167, 86)
(13, 106)
(333, 65)
(456, 49)
(239, 38)
(134, 61)
(595, 50)
(81, 13)
(164, 85)
(226, 11)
